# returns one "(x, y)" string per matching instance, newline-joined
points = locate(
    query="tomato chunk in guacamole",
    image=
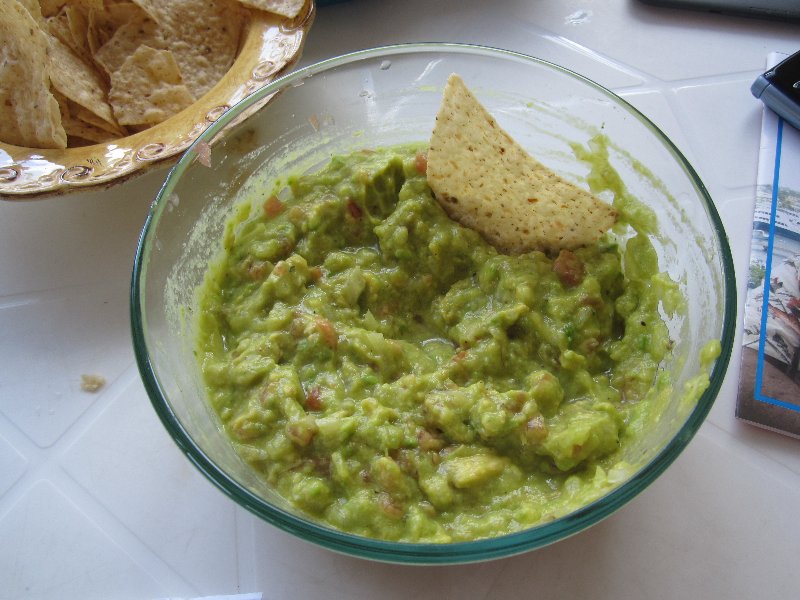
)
(392, 375)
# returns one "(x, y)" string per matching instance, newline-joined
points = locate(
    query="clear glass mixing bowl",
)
(387, 96)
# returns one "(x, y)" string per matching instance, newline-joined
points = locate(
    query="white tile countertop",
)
(96, 501)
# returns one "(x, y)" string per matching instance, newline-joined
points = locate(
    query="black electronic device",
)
(784, 10)
(779, 89)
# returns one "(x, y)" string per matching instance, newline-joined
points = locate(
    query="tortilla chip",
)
(32, 6)
(103, 21)
(79, 132)
(78, 81)
(78, 23)
(51, 8)
(147, 88)
(92, 119)
(65, 28)
(141, 30)
(74, 117)
(29, 113)
(88, 5)
(284, 8)
(58, 26)
(203, 37)
(486, 181)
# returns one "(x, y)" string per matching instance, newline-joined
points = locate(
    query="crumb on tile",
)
(92, 383)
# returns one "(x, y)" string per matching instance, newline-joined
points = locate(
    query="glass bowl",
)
(388, 96)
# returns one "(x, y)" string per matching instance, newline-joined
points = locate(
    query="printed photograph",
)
(769, 388)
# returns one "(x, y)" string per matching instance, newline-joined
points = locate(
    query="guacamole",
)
(392, 375)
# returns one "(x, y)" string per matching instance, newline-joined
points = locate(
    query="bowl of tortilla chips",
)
(94, 92)
(547, 200)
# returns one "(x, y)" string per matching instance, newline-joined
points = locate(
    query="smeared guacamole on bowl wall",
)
(394, 376)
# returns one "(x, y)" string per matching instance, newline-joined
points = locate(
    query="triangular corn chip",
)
(284, 8)
(33, 8)
(78, 81)
(29, 113)
(141, 30)
(147, 88)
(202, 36)
(486, 181)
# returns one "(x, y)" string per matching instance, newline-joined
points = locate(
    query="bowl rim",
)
(427, 553)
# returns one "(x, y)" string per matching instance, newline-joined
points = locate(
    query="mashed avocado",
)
(392, 375)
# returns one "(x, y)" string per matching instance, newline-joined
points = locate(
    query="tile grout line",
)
(44, 459)
(740, 445)
(49, 469)
(39, 296)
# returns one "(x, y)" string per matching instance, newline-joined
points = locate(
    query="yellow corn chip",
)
(486, 181)
(90, 4)
(78, 81)
(58, 26)
(29, 114)
(202, 36)
(141, 30)
(32, 6)
(79, 133)
(50, 8)
(92, 119)
(78, 23)
(65, 28)
(104, 20)
(147, 88)
(285, 8)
